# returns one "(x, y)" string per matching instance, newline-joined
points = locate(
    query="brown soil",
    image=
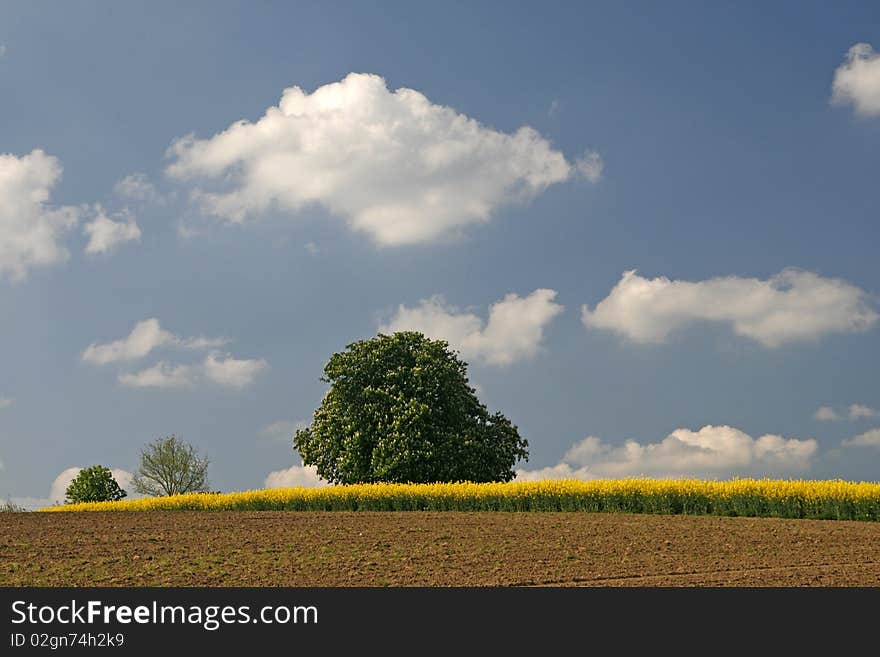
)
(431, 549)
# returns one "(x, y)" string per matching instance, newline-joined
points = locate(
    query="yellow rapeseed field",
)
(836, 499)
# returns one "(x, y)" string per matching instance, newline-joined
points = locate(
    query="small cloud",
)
(6, 402)
(514, 330)
(161, 375)
(2, 49)
(860, 412)
(137, 186)
(105, 234)
(144, 337)
(312, 248)
(232, 372)
(186, 232)
(295, 476)
(853, 412)
(553, 109)
(285, 428)
(590, 166)
(826, 414)
(868, 439)
(857, 80)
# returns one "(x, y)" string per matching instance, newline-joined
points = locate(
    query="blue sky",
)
(728, 154)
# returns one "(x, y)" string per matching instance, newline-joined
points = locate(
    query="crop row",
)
(839, 500)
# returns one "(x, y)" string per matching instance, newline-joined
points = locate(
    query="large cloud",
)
(30, 228)
(396, 166)
(792, 306)
(711, 452)
(857, 80)
(144, 337)
(513, 332)
(294, 476)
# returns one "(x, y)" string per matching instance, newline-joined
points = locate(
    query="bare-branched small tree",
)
(170, 466)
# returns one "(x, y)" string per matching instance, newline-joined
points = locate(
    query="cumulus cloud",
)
(513, 332)
(860, 412)
(137, 186)
(6, 402)
(144, 337)
(160, 375)
(216, 368)
(396, 166)
(854, 412)
(792, 306)
(826, 414)
(105, 234)
(868, 439)
(295, 476)
(30, 228)
(57, 492)
(857, 80)
(713, 451)
(233, 372)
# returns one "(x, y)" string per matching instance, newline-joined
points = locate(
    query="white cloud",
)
(857, 80)
(58, 490)
(826, 414)
(868, 439)
(713, 451)
(160, 375)
(137, 186)
(216, 368)
(854, 412)
(792, 306)
(295, 476)
(144, 337)
(860, 412)
(30, 229)
(513, 332)
(105, 234)
(285, 428)
(312, 248)
(396, 166)
(186, 232)
(590, 166)
(6, 402)
(232, 372)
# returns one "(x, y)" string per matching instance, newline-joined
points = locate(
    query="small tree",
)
(94, 484)
(170, 466)
(400, 409)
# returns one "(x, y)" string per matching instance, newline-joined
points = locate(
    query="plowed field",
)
(432, 549)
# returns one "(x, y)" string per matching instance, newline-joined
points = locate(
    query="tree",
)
(170, 466)
(400, 409)
(94, 484)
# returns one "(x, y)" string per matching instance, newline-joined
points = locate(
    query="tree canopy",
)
(94, 484)
(400, 409)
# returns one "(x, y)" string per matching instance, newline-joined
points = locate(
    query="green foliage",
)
(170, 466)
(400, 409)
(94, 484)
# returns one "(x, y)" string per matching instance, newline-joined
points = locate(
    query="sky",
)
(650, 230)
